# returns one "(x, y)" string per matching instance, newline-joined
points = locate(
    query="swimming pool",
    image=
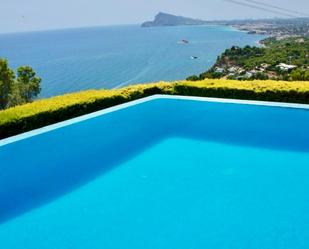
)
(161, 172)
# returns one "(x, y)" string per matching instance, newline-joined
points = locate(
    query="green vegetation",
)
(48, 111)
(286, 59)
(17, 89)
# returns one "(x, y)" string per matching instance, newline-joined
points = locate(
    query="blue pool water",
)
(107, 57)
(165, 173)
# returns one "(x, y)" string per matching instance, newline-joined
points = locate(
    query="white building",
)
(233, 69)
(248, 74)
(286, 67)
(219, 70)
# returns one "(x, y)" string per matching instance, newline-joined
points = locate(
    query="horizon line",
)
(135, 24)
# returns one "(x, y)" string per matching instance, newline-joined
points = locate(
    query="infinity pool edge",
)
(68, 122)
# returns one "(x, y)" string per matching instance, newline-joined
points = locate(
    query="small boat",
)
(194, 57)
(184, 42)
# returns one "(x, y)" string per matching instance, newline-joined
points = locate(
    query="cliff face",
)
(163, 19)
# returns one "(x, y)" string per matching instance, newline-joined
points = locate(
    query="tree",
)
(260, 76)
(6, 83)
(297, 74)
(17, 90)
(193, 78)
(28, 83)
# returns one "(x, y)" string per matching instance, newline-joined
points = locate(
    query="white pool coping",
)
(140, 101)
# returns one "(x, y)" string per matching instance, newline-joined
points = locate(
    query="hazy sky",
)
(26, 15)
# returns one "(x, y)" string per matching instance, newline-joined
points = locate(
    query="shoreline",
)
(97, 82)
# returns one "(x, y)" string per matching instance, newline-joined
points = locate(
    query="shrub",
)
(48, 111)
(193, 78)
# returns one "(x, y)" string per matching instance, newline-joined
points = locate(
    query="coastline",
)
(96, 58)
(249, 32)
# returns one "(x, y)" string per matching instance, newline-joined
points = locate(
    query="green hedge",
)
(49, 111)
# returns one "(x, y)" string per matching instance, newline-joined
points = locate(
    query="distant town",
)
(277, 28)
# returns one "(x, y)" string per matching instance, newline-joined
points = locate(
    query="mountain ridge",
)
(165, 19)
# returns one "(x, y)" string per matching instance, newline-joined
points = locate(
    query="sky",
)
(30, 15)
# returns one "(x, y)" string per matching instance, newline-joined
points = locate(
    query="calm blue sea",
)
(108, 57)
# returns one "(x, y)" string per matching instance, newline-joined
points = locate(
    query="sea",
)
(109, 57)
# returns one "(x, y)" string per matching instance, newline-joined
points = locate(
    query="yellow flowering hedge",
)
(48, 111)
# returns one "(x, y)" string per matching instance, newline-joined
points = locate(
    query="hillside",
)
(286, 59)
(164, 19)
